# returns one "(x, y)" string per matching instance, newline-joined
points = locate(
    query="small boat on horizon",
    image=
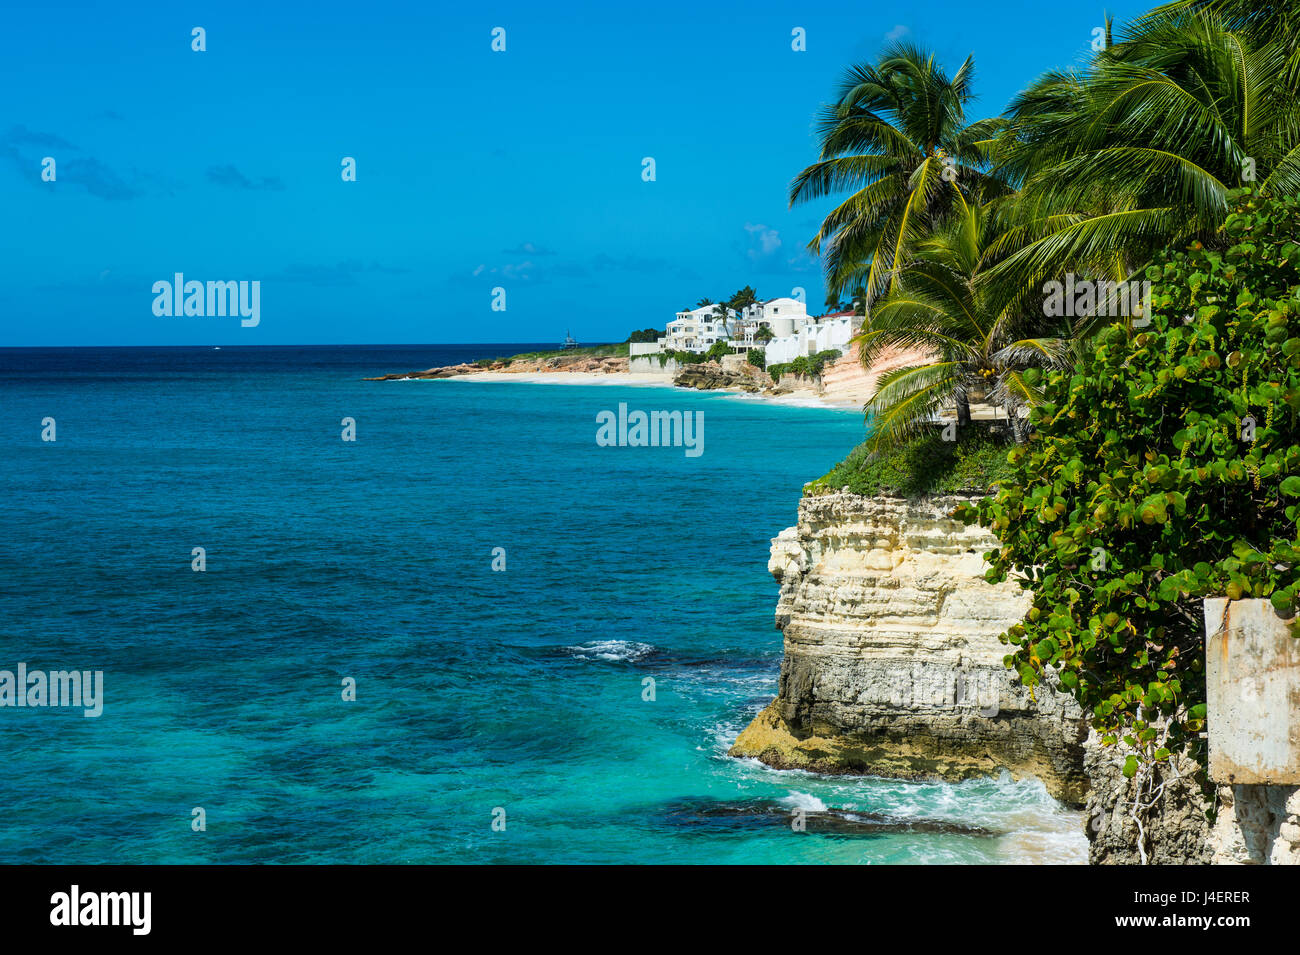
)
(569, 341)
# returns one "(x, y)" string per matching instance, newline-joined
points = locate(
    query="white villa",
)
(811, 336)
(780, 315)
(697, 329)
(794, 332)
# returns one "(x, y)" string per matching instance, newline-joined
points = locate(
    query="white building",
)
(794, 331)
(811, 336)
(779, 315)
(698, 329)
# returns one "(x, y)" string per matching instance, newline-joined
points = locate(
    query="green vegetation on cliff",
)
(928, 464)
(1163, 470)
(619, 350)
(807, 366)
(681, 357)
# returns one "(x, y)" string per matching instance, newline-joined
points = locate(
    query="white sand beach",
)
(845, 384)
(806, 397)
(566, 378)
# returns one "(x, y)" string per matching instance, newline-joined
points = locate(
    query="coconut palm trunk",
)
(963, 411)
(983, 338)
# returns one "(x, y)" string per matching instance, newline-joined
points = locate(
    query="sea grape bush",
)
(1164, 468)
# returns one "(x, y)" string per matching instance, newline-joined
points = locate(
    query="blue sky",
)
(475, 169)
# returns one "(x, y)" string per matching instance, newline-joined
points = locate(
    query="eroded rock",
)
(892, 661)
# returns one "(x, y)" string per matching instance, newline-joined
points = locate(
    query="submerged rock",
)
(717, 815)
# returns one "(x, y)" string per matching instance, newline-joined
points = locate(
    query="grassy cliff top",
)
(923, 466)
(582, 351)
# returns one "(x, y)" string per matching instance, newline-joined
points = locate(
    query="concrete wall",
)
(781, 327)
(649, 365)
(780, 351)
(1252, 681)
(808, 339)
(1252, 684)
(833, 334)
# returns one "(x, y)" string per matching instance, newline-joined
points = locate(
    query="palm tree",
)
(977, 328)
(744, 298)
(1139, 151)
(1262, 20)
(722, 315)
(897, 136)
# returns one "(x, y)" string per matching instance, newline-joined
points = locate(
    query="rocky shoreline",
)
(579, 364)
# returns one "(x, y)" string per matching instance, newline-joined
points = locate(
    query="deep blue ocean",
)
(480, 694)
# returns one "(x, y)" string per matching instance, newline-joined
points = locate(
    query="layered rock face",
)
(892, 664)
(847, 381)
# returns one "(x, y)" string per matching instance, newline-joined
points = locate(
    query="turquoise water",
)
(476, 690)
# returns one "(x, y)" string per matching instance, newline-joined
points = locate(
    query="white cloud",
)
(768, 240)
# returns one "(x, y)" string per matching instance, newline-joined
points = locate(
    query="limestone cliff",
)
(892, 664)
